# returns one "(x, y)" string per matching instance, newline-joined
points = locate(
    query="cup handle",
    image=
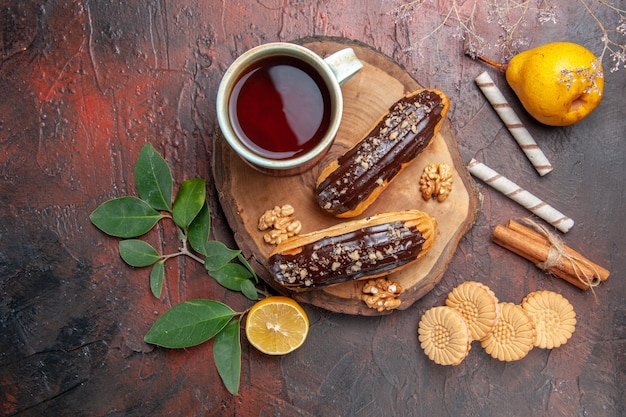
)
(344, 64)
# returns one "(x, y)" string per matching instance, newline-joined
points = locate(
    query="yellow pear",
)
(558, 83)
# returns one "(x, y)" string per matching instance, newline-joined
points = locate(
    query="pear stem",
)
(493, 63)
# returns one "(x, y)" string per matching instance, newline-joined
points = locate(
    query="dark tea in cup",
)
(280, 107)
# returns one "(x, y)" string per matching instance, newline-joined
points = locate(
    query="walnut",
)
(381, 294)
(269, 218)
(280, 220)
(436, 182)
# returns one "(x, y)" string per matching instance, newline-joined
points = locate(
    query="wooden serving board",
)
(245, 194)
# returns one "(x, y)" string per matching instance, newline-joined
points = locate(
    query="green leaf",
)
(198, 234)
(218, 255)
(125, 217)
(227, 355)
(138, 253)
(249, 290)
(189, 324)
(189, 201)
(156, 278)
(232, 276)
(153, 179)
(245, 263)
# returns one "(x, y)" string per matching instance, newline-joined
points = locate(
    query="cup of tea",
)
(279, 105)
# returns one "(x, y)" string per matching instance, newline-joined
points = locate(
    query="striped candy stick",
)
(514, 124)
(519, 195)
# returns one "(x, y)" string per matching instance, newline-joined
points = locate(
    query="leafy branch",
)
(192, 322)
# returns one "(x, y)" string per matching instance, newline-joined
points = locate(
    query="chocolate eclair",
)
(355, 249)
(351, 183)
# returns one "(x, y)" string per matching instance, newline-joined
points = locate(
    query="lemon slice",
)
(277, 325)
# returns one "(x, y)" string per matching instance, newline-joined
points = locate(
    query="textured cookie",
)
(553, 316)
(477, 304)
(444, 336)
(513, 335)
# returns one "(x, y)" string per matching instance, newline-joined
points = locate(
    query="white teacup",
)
(279, 105)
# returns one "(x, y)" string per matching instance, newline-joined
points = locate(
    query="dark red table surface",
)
(84, 84)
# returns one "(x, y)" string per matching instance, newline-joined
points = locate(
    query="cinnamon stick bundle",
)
(549, 253)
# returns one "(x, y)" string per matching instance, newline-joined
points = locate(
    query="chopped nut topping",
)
(401, 134)
(381, 294)
(283, 225)
(436, 182)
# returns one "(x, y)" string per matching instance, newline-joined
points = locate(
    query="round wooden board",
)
(245, 194)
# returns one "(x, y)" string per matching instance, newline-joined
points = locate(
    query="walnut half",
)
(280, 220)
(436, 182)
(381, 294)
